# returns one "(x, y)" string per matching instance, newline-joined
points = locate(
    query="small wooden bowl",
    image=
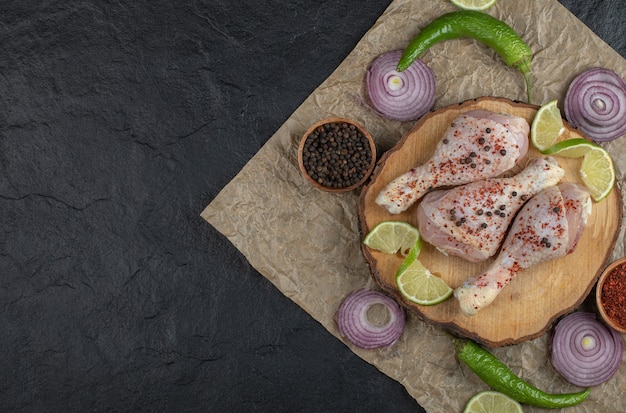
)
(366, 173)
(622, 290)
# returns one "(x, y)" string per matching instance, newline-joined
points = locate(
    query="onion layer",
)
(584, 351)
(402, 96)
(595, 103)
(354, 324)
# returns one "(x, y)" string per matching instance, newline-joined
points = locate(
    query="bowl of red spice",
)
(611, 295)
(336, 155)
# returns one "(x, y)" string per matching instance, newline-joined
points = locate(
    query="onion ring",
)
(402, 96)
(354, 325)
(595, 103)
(584, 351)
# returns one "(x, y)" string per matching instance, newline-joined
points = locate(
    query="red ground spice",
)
(613, 296)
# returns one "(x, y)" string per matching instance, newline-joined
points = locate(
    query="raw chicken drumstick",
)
(478, 144)
(547, 227)
(470, 221)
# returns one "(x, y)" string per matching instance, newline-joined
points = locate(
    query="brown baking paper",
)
(307, 242)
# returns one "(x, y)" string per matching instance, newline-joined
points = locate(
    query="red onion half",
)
(595, 103)
(584, 351)
(402, 96)
(354, 324)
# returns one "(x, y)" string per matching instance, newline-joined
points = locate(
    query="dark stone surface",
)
(119, 123)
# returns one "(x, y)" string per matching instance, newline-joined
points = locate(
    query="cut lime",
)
(413, 254)
(572, 148)
(417, 284)
(547, 126)
(473, 4)
(490, 401)
(598, 173)
(392, 236)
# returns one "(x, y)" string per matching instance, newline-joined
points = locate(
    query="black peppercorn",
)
(336, 155)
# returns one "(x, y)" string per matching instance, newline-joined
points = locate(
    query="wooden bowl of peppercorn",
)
(611, 295)
(336, 155)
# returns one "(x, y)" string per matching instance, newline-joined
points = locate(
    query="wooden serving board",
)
(526, 308)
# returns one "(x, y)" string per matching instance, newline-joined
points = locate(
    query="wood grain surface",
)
(534, 299)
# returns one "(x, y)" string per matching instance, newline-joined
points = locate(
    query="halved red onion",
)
(585, 352)
(355, 325)
(402, 96)
(595, 103)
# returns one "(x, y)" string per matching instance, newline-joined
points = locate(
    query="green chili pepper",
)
(476, 25)
(499, 377)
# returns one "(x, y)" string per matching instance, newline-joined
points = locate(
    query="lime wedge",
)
(490, 401)
(417, 284)
(473, 4)
(572, 148)
(393, 236)
(547, 126)
(598, 173)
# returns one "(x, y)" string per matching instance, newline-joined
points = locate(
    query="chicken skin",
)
(470, 221)
(477, 145)
(548, 227)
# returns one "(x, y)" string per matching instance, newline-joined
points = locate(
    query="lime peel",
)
(572, 148)
(598, 173)
(417, 284)
(597, 170)
(392, 237)
(492, 401)
(473, 4)
(547, 126)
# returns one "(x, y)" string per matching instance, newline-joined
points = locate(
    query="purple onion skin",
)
(352, 320)
(413, 100)
(585, 367)
(595, 103)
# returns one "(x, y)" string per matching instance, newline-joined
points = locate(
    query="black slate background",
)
(119, 123)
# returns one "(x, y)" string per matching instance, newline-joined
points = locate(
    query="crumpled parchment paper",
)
(307, 242)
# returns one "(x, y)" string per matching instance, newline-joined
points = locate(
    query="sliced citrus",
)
(473, 4)
(571, 148)
(417, 284)
(413, 254)
(547, 126)
(392, 236)
(490, 401)
(598, 173)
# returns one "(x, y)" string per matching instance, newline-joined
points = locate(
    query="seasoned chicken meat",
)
(470, 221)
(549, 226)
(478, 144)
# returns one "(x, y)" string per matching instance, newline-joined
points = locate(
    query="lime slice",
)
(417, 284)
(413, 254)
(547, 126)
(473, 4)
(598, 173)
(392, 236)
(490, 401)
(572, 148)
